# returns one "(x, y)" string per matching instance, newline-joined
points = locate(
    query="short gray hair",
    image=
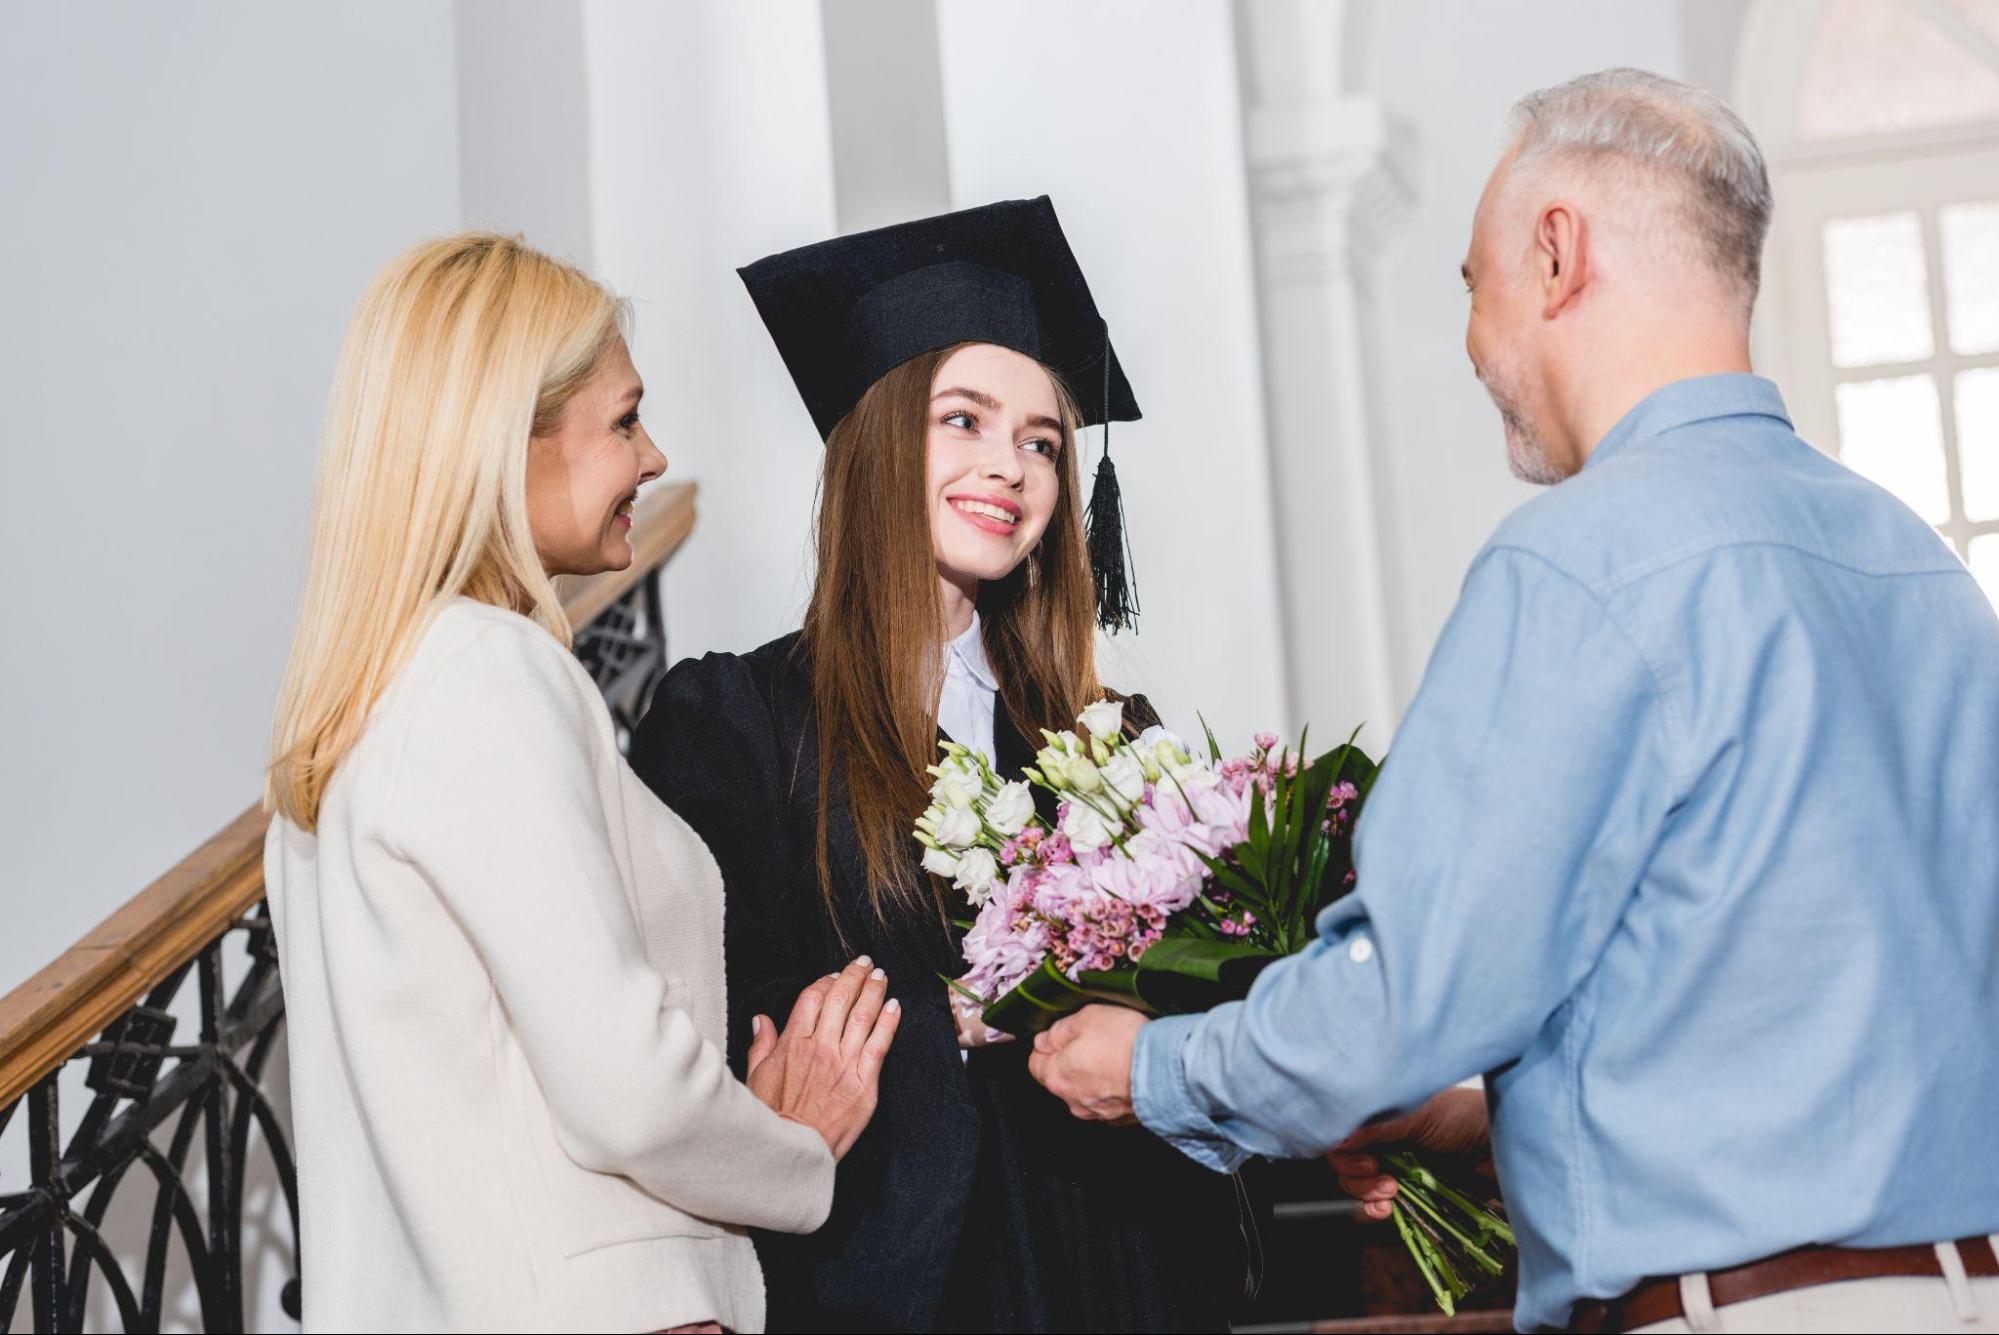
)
(1660, 124)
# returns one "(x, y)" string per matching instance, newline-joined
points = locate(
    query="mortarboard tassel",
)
(1104, 531)
(1110, 551)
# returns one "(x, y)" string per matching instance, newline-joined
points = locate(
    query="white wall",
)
(193, 199)
(1447, 72)
(710, 149)
(1127, 114)
(194, 196)
(524, 122)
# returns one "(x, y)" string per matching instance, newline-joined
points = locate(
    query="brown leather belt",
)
(1658, 1299)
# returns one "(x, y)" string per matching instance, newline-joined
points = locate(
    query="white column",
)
(1322, 201)
(1127, 114)
(885, 109)
(709, 149)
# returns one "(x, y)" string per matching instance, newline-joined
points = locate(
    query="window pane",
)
(1985, 564)
(1892, 432)
(1971, 275)
(1877, 67)
(1875, 290)
(1977, 395)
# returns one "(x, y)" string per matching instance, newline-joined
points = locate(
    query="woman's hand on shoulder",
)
(824, 1069)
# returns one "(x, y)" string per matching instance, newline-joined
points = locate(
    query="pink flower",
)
(1237, 927)
(1155, 874)
(1097, 929)
(1105, 905)
(1002, 947)
(1057, 888)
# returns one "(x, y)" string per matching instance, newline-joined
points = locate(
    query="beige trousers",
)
(1953, 1304)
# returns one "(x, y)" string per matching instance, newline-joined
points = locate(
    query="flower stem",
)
(1445, 1229)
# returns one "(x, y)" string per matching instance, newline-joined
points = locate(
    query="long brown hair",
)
(873, 630)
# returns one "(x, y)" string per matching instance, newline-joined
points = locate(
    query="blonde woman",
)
(502, 955)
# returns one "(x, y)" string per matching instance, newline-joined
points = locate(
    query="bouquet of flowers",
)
(1167, 883)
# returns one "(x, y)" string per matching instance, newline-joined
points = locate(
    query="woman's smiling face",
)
(994, 450)
(584, 478)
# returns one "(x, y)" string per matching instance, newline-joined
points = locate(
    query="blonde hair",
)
(461, 350)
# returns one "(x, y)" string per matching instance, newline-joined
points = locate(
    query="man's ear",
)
(1561, 256)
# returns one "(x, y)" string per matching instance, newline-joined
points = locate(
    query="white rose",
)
(978, 871)
(1083, 776)
(1154, 735)
(957, 827)
(953, 791)
(1125, 777)
(1086, 829)
(938, 861)
(1192, 779)
(1010, 810)
(1103, 720)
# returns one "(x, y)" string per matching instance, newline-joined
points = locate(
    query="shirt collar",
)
(1735, 394)
(969, 652)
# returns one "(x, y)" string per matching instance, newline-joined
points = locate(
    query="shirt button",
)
(1360, 950)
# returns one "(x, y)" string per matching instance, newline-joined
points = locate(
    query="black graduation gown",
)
(974, 1201)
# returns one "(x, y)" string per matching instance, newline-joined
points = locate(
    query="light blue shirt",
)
(1690, 842)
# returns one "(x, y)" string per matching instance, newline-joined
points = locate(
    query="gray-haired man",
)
(1690, 840)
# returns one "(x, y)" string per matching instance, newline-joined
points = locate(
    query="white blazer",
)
(502, 962)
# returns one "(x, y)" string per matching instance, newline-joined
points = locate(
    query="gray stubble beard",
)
(1526, 454)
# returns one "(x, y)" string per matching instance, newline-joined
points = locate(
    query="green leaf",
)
(1204, 959)
(1275, 873)
(1214, 747)
(1259, 837)
(1037, 1001)
(1315, 898)
(1236, 883)
(1177, 976)
(1231, 878)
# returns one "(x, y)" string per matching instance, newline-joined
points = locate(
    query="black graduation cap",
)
(847, 311)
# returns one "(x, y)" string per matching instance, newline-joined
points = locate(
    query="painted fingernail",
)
(877, 975)
(863, 961)
(893, 1005)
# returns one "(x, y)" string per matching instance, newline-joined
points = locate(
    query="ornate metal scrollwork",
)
(51, 1235)
(624, 650)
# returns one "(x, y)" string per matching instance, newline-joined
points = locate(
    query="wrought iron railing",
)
(105, 1013)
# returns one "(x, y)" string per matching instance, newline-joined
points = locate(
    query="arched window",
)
(1880, 119)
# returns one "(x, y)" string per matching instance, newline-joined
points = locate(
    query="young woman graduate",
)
(953, 596)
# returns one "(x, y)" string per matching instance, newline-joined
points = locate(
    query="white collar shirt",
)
(965, 706)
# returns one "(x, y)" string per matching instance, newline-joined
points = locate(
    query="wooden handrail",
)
(659, 525)
(46, 1019)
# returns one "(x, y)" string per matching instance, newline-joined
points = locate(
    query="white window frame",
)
(1815, 181)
